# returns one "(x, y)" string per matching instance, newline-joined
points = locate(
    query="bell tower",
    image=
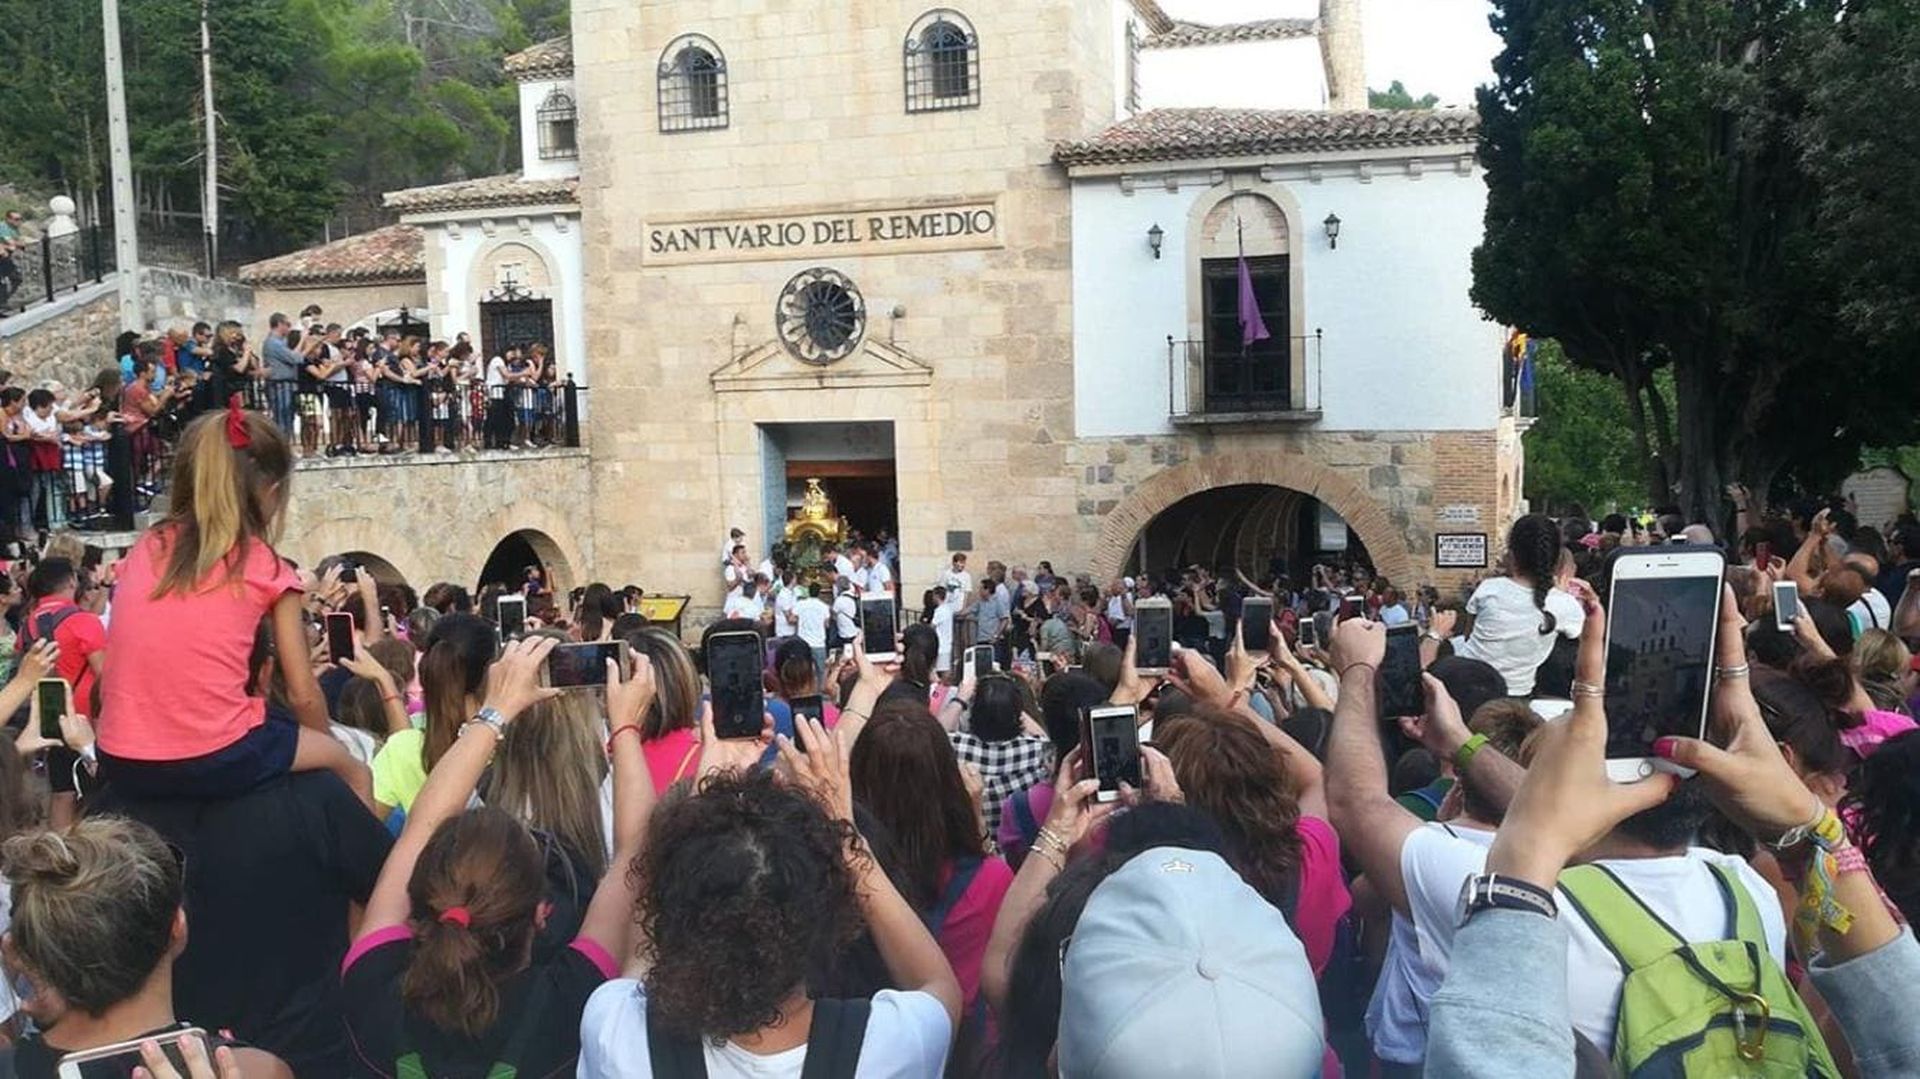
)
(1343, 49)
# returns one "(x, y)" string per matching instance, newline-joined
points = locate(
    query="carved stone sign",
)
(953, 225)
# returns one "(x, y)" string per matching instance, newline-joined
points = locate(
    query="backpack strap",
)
(834, 1038)
(673, 1056)
(1635, 935)
(44, 626)
(964, 870)
(1023, 814)
(1743, 917)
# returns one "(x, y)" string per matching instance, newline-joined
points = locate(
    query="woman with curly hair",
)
(1515, 617)
(444, 979)
(745, 886)
(1885, 806)
(906, 774)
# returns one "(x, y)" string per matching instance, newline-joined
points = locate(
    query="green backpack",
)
(1719, 1009)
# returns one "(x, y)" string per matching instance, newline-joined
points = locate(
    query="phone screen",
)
(339, 636)
(1400, 693)
(876, 625)
(1351, 607)
(1153, 632)
(54, 699)
(1256, 623)
(814, 708)
(572, 666)
(1113, 736)
(512, 613)
(1309, 632)
(1786, 604)
(982, 661)
(733, 669)
(1660, 634)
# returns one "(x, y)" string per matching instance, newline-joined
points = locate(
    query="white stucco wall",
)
(1287, 74)
(532, 93)
(1225, 11)
(1405, 349)
(456, 282)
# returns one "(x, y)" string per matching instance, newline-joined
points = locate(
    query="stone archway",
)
(550, 535)
(368, 539)
(1384, 542)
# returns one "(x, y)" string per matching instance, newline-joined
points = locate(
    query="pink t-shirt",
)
(1323, 897)
(673, 756)
(175, 684)
(964, 934)
(1875, 727)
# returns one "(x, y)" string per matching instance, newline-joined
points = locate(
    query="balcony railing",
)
(1221, 385)
(53, 266)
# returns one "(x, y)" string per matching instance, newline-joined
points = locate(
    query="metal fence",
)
(341, 419)
(1280, 375)
(52, 266)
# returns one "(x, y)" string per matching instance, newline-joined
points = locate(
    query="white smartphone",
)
(1153, 635)
(981, 657)
(1663, 617)
(122, 1057)
(1110, 739)
(1786, 605)
(513, 617)
(876, 627)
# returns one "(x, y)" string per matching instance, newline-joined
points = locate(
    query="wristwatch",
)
(1486, 890)
(490, 718)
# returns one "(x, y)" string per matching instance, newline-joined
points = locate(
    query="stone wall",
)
(438, 518)
(347, 306)
(168, 296)
(69, 340)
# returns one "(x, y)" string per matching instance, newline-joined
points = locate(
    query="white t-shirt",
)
(878, 578)
(810, 621)
(496, 372)
(843, 567)
(943, 628)
(1871, 611)
(1681, 890)
(1398, 1013)
(907, 1038)
(846, 614)
(959, 585)
(1117, 616)
(783, 601)
(1506, 629)
(739, 606)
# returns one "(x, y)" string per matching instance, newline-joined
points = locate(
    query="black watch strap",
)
(1491, 890)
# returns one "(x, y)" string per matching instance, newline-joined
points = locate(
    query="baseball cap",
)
(1177, 967)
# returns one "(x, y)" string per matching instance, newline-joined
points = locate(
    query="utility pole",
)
(126, 245)
(210, 201)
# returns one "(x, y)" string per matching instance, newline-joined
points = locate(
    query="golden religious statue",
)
(812, 527)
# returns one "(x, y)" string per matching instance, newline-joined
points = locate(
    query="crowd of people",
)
(252, 850)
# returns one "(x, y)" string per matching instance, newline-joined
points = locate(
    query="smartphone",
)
(1786, 605)
(1762, 555)
(876, 627)
(1399, 679)
(1352, 607)
(1310, 631)
(733, 673)
(490, 607)
(52, 699)
(814, 708)
(339, 636)
(584, 666)
(981, 656)
(1256, 623)
(511, 616)
(1048, 668)
(349, 573)
(1663, 614)
(1153, 635)
(118, 1060)
(1110, 738)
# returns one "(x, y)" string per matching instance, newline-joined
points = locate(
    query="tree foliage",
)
(1396, 96)
(317, 101)
(1655, 205)
(1579, 450)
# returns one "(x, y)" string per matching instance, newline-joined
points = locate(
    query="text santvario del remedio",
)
(827, 230)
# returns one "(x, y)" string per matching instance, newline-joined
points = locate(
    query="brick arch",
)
(550, 534)
(1385, 543)
(340, 535)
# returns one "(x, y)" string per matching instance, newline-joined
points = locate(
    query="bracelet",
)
(1588, 689)
(1059, 865)
(1464, 755)
(615, 736)
(1351, 667)
(852, 713)
(1049, 838)
(386, 698)
(1793, 837)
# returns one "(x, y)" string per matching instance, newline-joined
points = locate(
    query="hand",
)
(1241, 667)
(1162, 786)
(1358, 642)
(968, 686)
(976, 786)
(76, 731)
(1443, 622)
(1075, 811)
(1196, 677)
(1280, 651)
(513, 682)
(1440, 731)
(873, 675)
(39, 662)
(1749, 780)
(1567, 803)
(1822, 524)
(362, 665)
(1808, 635)
(1737, 492)
(627, 701)
(719, 754)
(155, 1065)
(1131, 688)
(821, 771)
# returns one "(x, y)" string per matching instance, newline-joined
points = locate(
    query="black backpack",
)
(41, 628)
(834, 1038)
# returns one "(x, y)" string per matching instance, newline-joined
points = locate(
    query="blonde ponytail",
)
(229, 477)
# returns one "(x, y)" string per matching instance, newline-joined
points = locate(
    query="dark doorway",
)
(1243, 377)
(1259, 529)
(508, 563)
(508, 324)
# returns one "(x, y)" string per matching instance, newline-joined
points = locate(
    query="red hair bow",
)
(457, 916)
(237, 436)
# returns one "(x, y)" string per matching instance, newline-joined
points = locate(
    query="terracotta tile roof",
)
(550, 59)
(1183, 33)
(1178, 134)
(508, 189)
(384, 255)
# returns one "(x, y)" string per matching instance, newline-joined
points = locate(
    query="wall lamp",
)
(1155, 236)
(1333, 231)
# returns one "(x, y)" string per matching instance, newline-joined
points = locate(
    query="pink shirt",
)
(963, 936)
(175, 684)
(1875, 727)
(673, 756)
(1323, 897)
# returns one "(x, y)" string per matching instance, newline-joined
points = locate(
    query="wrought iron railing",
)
(344, 419)
(1212, 379)
(41, 270)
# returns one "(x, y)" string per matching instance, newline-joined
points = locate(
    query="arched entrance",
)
(519, 550)
(384, 572)
(1260, 529)
(1307, 479)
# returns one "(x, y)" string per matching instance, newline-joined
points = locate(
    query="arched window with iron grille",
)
(693, 85)
(941, 58)
(556, 119)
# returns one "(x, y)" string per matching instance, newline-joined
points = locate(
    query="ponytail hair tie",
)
(459, 916)
(237, 435)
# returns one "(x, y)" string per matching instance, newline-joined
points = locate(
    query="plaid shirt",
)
(1005, 767)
